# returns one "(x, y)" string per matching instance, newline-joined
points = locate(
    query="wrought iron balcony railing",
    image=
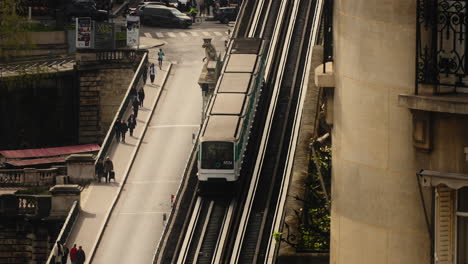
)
(441, 45)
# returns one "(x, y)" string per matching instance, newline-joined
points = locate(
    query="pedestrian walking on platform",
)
(160, 58)
(80, 256)
(133, 93)
(58, 253)
(136, 105)
(65, 254)
(117, 129)
(99, 169)
(131, 122)
(141, 96)
(152, 72)
(123, 130)
(73, 251)
(108, 169)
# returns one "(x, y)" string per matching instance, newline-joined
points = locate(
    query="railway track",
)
(257, 219)
(238, 230)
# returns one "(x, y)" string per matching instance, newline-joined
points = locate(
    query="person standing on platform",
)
(160, 58)
(58, 253)
(141, 96)
(136, 105)
(117, 129)
(73, 251)
(152, 72)
(99, 170)
(65, 254)
(80, 256)
(123, 130)
(108, 168)
(131, 122)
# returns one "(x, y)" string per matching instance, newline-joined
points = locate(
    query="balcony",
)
(441, 58)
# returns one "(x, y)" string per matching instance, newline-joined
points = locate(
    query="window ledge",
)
(454, 103)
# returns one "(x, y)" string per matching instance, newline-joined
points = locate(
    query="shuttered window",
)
(462, 226)
(444, 228)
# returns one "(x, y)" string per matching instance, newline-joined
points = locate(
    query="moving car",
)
(226, 14)
(164, 16)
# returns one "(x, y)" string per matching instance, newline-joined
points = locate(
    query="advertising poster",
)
(133, 31)
(104, 35)
(83, 32)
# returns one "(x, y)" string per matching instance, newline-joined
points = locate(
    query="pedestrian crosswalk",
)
(185, 34)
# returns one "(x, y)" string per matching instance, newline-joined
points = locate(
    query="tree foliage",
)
(14, 39)
(315, 227)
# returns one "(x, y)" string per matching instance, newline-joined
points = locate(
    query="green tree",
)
(14, 39)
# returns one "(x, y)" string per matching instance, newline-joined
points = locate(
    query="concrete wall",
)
(377, 215)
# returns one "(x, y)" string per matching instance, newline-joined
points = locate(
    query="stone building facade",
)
(399, 135)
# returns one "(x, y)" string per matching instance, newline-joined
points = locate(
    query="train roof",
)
(246, 45)
(221, 127)
(241, 63)
(228, 104)
(235, 82)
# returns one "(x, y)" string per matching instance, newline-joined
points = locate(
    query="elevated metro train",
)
(231, 111)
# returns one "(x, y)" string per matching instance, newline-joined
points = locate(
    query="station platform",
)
(98, 198)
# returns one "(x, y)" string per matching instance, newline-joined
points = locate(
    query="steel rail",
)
(261, 199)
(217, 256)
(190, 230)
(266, 132)
(256, 18)
(272, 248)
(203, 234)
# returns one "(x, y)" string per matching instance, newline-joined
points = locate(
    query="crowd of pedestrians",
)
(62, 253)
(121, 127)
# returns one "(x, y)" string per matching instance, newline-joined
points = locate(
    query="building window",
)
(451, 225)
(462, 226)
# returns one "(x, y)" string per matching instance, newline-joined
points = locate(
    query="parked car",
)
(164, 16)
(85, 9)
(226, 14)
(168, 3)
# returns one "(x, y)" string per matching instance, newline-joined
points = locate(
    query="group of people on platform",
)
(105, 169)
(62, 253)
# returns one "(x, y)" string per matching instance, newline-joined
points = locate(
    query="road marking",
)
(172, 35)
(206, 34)
(148, 182)
(182, 34)
(171, 126)
(195, 34)
(160, 35)
(148, 35)
(142, 213)
(218, 33)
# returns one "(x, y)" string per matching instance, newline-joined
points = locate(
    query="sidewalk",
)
(97, 198)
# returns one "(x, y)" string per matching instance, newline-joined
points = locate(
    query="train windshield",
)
(217, 155)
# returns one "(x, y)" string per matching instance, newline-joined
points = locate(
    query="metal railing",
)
(327, 21)
(441, 46)
(27, 177)
(66, 228)
(139, 78)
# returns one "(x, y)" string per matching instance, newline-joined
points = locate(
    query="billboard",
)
(104, 35)
(133, 31)
(84, 29)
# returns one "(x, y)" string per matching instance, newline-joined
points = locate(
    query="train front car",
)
(216, 153)
(230, 114)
